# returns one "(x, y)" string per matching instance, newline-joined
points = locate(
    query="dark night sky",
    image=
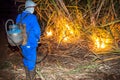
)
(7, 9)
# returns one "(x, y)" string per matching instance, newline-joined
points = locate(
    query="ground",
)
(61, 67)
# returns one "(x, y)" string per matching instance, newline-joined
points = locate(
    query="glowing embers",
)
(49, 33)
(69, 29)
(102, 40)
(63, 30)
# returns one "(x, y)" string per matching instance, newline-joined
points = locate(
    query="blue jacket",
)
(32, 28)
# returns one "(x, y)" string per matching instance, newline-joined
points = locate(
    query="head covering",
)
(29, 5)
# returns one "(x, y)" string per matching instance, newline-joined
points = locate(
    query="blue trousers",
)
(29, 57)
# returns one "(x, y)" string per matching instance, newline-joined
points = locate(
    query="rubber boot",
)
(27, 74)
(32, 75)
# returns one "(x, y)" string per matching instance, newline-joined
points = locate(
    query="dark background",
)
(8, 10)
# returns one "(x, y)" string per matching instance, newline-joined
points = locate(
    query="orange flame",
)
(101, 44)
(49, 33)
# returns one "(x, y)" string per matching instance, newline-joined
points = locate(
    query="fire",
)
(103, 45)
(101, 41)
(65, 39)
(63, 30)
(49, 33)
(68, 27)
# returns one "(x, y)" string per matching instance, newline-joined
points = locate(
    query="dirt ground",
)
(62, 67)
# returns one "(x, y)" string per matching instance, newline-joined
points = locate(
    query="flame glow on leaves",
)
(102, 40)
(49, 33)
(64, 30)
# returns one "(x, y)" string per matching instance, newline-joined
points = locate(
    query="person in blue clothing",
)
(33, 31)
